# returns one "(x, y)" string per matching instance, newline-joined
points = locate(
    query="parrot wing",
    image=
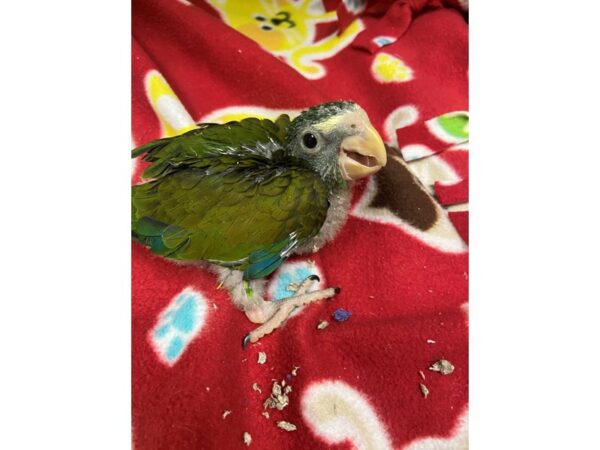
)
(227, 194)
(246, 138)
(246, 219)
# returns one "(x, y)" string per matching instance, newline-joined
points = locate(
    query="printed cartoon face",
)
(287, 29)
(276, 26)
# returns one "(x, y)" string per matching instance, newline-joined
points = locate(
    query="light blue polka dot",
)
(295, 275)
(175, 348)
(185, 316)
(162, 330)
(178, 324)
(382, 41)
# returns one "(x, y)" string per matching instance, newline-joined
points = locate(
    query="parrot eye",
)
(309, 140)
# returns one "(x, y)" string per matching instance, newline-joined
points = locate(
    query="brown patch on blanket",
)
(399, 191)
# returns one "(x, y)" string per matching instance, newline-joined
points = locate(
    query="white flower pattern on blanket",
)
(337, 412)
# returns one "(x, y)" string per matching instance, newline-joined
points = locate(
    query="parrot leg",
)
(273, 314)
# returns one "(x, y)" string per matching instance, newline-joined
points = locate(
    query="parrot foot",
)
(279, 311)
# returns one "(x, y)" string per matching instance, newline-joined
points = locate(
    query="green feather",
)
(249, 137)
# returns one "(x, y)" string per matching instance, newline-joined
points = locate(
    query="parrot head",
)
(338, 141)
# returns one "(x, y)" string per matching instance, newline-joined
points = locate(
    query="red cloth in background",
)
(406, 291)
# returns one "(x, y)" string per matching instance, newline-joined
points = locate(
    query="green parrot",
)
(242, 197)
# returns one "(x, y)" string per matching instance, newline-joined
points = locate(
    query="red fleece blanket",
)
(395, 373)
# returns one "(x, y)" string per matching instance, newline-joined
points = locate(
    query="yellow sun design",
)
(390, 69)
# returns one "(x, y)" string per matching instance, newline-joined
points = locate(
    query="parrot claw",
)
(275, 314)
(284, 309)
(245, 341)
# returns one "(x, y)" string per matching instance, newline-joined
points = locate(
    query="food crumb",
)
(442, 366)
(226, 413)
(266, 414)
(256, 387)
(247, 438)
(278, 398)
(322, 325)
(287, 426)
(295, 370)
(422, 374)
(262, 357)
(424, 390)
(430, 341)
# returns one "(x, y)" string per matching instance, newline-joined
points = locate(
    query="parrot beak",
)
(363, 153)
